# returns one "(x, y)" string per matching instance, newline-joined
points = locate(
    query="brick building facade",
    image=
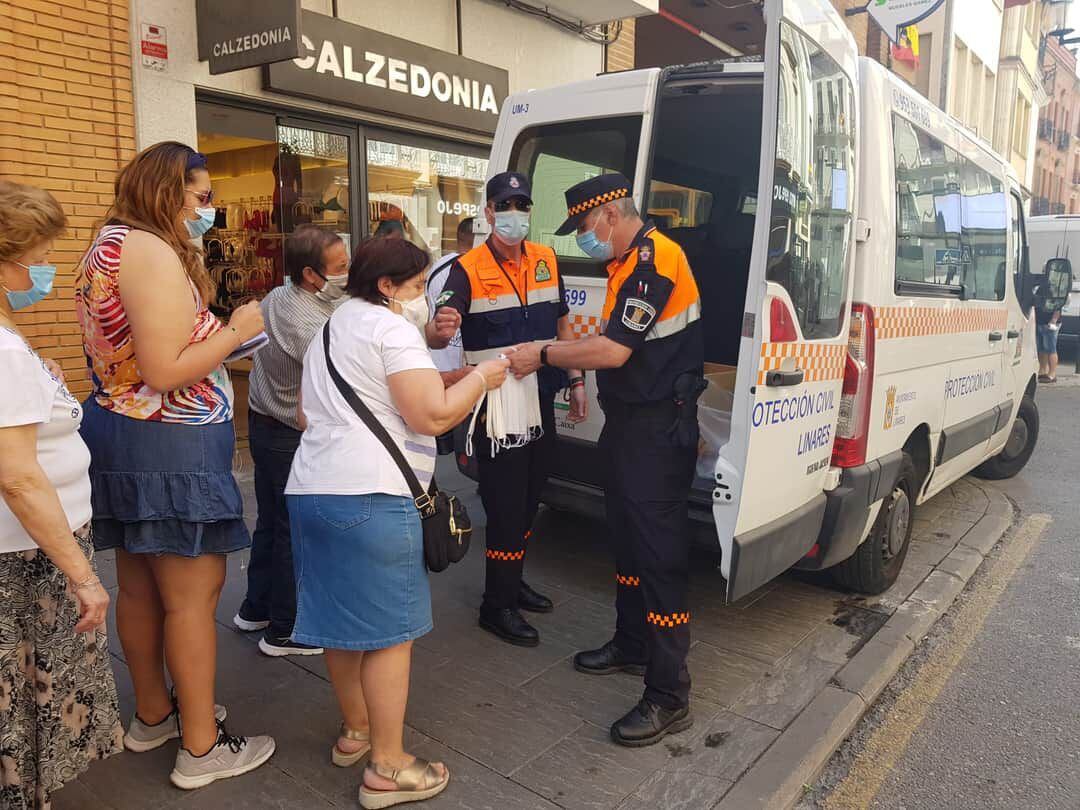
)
(1057, 153)
(67, 125)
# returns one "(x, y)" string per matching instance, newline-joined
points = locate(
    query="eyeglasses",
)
(512, 205)
(204, 197)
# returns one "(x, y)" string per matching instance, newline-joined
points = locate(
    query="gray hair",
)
(626, 207)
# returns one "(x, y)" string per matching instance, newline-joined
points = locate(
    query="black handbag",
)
(446, 524)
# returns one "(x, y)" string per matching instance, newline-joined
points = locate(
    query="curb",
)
(797, 757)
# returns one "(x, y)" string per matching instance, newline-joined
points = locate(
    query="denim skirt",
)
(161, 488)
(360, 577)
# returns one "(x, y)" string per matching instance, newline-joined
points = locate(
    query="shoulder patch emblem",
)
(638, 315)
(444, 297)
(543, 272)
(645, 253)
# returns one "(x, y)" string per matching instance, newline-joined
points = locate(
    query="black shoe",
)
(607, 660)
(534, 602)
(509, 625)
(280, 647)
(648, 724)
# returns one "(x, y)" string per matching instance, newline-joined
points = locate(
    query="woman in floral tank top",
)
(159, 427)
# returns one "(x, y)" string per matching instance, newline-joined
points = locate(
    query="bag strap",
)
(420, 498)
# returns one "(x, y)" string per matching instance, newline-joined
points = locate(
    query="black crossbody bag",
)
(446, 525)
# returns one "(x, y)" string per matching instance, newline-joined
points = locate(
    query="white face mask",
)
(333, 289)
(415, 311)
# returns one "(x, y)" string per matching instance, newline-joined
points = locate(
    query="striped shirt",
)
(293, 316)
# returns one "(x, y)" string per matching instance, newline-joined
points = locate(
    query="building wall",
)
(1019, 91)
(620, 54)
(1056, 169)
(67, 125)
(534, 51)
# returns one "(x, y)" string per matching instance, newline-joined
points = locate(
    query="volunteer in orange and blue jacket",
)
(509, 291)
(650, 374)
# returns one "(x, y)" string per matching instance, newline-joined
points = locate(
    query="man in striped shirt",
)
(316, 269)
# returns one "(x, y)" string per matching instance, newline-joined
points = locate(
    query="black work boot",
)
(647, 724)
(509, 625)
(607, 660)
(534, 602)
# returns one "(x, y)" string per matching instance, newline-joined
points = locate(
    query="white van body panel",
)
(1057, 237)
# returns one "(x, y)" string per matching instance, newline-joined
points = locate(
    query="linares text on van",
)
(250, 42)
(398, 75)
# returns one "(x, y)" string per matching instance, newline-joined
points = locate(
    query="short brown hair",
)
(306, 247)
(28, 217)
(377, 258)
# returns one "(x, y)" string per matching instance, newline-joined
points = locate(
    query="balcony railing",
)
(1076, 178)
(1057, 208)
(1039, 206)
(1046, 129)
(1063, 140)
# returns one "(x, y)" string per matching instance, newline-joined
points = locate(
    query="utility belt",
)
(681, 409)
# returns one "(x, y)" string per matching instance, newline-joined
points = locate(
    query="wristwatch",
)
(543, 355)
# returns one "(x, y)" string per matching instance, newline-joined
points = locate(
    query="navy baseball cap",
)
(507, 185)
(590, 194)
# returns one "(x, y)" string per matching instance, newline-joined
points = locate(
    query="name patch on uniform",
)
(543, 272)
(637, 314)
(442, 299)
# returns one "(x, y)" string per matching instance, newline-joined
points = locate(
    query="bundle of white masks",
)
(513, 415)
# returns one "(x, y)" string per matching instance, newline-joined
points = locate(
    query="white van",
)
(860, 257)
(1052, 237)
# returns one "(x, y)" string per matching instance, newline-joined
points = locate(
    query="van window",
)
(556, 156)
(674, 206)
(810, 233)
(951, 220)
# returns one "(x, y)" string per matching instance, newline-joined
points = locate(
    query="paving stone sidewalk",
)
(519, 728)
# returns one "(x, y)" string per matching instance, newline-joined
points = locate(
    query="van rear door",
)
(771, 476)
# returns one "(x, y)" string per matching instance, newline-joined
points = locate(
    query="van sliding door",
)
(769, 499)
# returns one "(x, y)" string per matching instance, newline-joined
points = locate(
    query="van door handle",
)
(995, 336)
(1013, 334)
(779, 379)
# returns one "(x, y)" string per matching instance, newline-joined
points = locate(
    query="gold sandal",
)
(414, 784)
(347, 760)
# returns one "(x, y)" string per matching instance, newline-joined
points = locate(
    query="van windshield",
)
(556, 156)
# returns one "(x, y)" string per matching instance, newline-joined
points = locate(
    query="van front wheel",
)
(876, 563)
(1018, 447)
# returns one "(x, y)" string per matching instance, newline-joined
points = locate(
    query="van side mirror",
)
(1057, 285)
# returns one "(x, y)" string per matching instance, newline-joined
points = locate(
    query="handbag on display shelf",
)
(445, 523)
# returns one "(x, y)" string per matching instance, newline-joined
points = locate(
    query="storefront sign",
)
(244, 33)
(154, 47)
(345, 64)
(895, 15)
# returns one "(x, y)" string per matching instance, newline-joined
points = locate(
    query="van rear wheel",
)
(877, 561)
(1018, 447)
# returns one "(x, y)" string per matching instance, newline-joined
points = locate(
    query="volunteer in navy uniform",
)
(650, 373)
(508, 291)
(447, 353)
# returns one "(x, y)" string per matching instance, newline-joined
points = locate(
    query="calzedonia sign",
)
(341, 63)
(240, 34)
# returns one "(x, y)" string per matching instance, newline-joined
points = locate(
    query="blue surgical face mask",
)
(589, 244)
(41, 279)
(511, 226)
(197, 227)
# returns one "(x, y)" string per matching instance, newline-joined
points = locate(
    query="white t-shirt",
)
(452, 357)
(338, 455)
(33, 396)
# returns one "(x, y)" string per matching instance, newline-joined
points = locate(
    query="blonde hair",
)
(28, 217)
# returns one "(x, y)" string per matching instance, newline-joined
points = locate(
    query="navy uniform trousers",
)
(648, 484)
(510, 487)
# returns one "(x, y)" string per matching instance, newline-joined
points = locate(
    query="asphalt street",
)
(987, 713)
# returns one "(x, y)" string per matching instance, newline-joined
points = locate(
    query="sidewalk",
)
(521, 730)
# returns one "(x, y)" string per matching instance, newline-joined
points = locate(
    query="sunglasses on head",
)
(512, 205)
(204, 197)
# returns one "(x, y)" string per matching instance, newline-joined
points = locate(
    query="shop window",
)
(556, 156)
(810, 232)
(428, 191)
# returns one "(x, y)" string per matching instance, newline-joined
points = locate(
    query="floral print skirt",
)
(58, 706)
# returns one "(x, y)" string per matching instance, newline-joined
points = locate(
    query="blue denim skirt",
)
(160, 488)
(360, 577)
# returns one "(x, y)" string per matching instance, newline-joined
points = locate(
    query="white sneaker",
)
(230, 756)
(142, 737)
(247, 625)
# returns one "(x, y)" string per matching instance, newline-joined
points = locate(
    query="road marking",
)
(887, 744)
